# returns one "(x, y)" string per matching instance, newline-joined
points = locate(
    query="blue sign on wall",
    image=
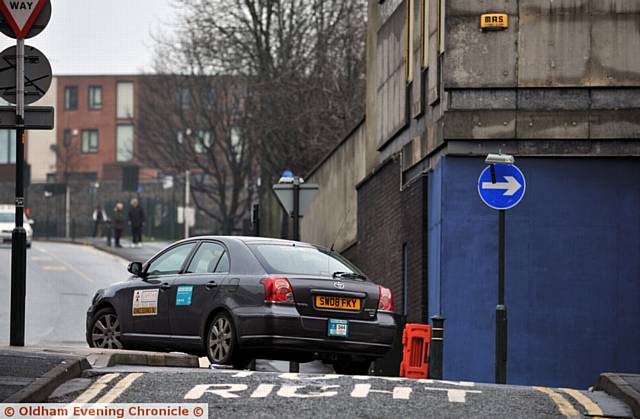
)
(183, 296)
(508, 189)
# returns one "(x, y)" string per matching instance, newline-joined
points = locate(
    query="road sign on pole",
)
(506, 190)
(37, 75)
(35, 117)
(38, 26)
(286, 194)
(501, 186)
(21, 15)
(294, 196)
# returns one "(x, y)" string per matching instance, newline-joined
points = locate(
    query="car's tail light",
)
(386, 300)
(278, 290)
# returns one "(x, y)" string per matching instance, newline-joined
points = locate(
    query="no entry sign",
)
(21, 14)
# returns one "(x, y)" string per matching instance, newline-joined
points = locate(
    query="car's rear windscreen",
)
(302, 260)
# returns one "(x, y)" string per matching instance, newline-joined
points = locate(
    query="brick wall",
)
(388, 218)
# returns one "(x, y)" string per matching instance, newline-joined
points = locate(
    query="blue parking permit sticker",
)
(183, 296)
(339, 328)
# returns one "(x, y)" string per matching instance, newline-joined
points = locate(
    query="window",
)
(124, 100)
(183, 97)
(95, 97)
(409, 52)
(7, 146)
(210, 258)
(441, 25)
(71, 98)
(124, 143)
(90, 141)
(283, 259)
(424, 38)
(210, 98)
(66, 137)
(170, 262)
(203, 141)
(236, 144)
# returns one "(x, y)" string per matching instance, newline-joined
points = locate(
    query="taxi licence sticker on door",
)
(145, 302)
(183, 296)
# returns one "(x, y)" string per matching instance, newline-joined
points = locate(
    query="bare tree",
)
(303, 63)
(288, 77)
(196, 123)
(67, 154)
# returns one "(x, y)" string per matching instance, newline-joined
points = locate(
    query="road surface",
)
(242, 394)
(61, 280)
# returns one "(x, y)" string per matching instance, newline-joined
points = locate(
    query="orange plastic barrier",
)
(416, 340)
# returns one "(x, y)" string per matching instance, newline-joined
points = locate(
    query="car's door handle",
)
(165, 286)
(211, 285)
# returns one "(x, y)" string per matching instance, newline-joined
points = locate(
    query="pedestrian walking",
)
(99, 218)
(117, 223)
(136, 220)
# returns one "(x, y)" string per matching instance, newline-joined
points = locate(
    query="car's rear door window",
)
(207, 259)
(304, 260)
(171, 261)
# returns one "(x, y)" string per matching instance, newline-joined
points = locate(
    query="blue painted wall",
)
(572, 271)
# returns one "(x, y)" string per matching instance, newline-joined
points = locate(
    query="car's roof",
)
(252, 240)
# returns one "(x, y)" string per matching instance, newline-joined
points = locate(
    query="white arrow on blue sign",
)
(508, 189)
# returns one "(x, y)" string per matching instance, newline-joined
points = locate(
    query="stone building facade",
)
(559, 88)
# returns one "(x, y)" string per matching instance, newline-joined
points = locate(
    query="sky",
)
(101, 36)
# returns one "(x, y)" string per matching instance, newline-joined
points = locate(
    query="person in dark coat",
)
(117, 223)
(136, 219)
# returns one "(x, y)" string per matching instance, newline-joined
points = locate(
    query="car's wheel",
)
(351, 367)
(104, 330)
(221, 342)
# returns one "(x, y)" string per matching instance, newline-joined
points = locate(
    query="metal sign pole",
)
(293, 365)
(187, 188)
(19, 236)
(501, 308)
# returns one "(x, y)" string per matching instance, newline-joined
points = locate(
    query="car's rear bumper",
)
(282, 328)
(6, 238)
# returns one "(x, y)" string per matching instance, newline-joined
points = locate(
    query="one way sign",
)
(21, 14)
(506, 190)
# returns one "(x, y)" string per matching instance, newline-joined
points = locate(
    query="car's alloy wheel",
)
(105, 332)
(221, 340)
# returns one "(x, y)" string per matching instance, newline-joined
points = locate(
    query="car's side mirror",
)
(135, 268)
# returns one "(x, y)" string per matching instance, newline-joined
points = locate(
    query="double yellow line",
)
(566, 408)
(112, 395)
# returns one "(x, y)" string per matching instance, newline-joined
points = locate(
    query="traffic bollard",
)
(437, 347)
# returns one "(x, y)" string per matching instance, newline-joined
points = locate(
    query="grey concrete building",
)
(559, 88)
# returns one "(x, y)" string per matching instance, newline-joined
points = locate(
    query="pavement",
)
(31, 377)
(625, 387)
(127, 251)
(31, 374)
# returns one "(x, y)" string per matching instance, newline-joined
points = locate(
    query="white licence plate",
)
(338, 328)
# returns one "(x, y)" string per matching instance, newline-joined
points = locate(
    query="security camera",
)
(499, 159)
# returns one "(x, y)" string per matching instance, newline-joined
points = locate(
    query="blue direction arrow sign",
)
(508, 189)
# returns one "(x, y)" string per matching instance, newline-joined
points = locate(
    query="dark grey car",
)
(239, 298)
